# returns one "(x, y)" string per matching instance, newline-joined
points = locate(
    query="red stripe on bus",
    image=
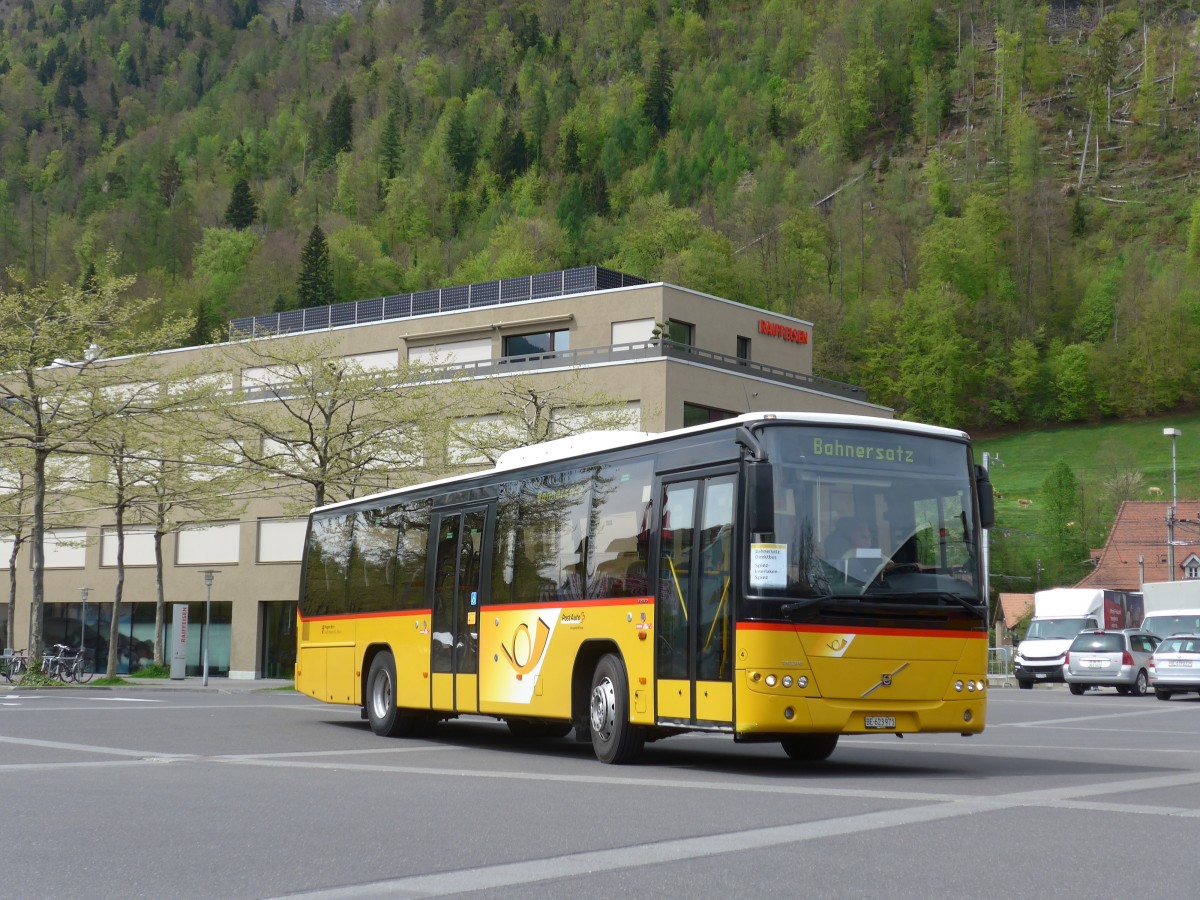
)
(861, 629)
(571, 604)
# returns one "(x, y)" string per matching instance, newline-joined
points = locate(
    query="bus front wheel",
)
(809, 747)
(385, 718)
(614, 738)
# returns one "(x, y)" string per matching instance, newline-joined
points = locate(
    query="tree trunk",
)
(38, 551)
(160, 601)
(114, 626)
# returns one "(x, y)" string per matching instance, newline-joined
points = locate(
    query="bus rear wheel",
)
(385, 718)
(614, 738)
(809, 747)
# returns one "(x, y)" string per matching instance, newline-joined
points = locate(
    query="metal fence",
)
(1000, 665)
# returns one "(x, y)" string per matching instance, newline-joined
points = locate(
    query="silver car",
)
(1175, 666)
(1119, 659)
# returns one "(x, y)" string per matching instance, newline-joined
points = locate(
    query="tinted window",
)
(620, 535)
(541, 549)
(1099, 643)
(327, 565)
(372, 583)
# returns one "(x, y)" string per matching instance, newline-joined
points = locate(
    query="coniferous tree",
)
(339, 124)
(389, 144)
(170, 180)
(242, 209)
(659, 91)
(315, 287)
(297, 13)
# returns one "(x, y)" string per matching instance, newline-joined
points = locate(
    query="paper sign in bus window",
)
(768, 565)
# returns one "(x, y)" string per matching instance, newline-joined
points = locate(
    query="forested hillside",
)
(985, 206)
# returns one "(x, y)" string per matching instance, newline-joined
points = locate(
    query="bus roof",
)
(597, 441)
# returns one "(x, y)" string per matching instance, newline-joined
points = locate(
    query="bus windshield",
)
(867, 514)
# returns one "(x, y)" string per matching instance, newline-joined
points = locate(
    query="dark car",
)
(1119, 659)
(1175, 666)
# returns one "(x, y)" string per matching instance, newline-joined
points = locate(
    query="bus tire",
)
(385, 717)
(614, 738)
(809, 747)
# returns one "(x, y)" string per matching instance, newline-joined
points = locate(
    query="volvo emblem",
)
(885, 680)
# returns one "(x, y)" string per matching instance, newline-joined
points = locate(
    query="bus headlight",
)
(770, 680)
(787, 681)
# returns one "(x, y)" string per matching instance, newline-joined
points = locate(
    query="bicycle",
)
(66, 664)
(15, 665)
(80, 668)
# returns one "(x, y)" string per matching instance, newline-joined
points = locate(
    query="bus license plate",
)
(881, 722)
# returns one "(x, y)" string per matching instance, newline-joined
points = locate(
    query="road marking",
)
(591, 862)
(92, 748)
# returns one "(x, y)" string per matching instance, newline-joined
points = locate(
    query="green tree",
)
(332, 429)
(389, 144)
(297, 13)
(243, 208)
(338, 133)
(315, 285)
(660, 89)
(170, 180)
(1061, 532)
(53, 343)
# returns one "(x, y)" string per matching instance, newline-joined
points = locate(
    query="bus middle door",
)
(694, 603)
(454, 663)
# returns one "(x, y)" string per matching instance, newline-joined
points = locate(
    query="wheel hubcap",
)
(604, 705)
(381, 696)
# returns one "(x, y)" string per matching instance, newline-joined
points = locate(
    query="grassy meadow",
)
(1097, 454)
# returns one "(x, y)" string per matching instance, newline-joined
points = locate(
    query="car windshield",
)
(1099, 643)
(1055, 629)
(867, 512)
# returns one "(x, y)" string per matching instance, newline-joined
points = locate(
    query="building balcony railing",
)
(654, 349)
(543, 286)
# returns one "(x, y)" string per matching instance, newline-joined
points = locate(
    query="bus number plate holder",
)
(875, 722)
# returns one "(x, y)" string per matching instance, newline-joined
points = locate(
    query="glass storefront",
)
(278, 640)
(77, 626)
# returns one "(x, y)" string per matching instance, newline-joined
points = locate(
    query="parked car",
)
(1102, 658)
(1175, 666)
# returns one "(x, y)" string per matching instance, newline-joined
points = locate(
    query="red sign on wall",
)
(783, 332)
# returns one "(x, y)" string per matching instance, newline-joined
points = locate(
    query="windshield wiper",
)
(916, 599)
(789, 609)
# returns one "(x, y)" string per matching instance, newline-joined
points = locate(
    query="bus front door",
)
(454, 666)
(694, 607)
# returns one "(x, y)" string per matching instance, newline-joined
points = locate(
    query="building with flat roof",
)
(671, 356)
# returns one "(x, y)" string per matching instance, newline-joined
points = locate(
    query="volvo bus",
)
(774, 577)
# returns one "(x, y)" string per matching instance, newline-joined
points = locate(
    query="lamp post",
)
(83, 595)
(1173, 433)
(208, 580)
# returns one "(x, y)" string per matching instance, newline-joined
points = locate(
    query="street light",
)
(83, 594)
(208, 580)
(1173, 433)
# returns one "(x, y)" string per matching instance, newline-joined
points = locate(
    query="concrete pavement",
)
(191, 683)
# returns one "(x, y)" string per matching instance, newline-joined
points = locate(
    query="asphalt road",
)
(191, 793)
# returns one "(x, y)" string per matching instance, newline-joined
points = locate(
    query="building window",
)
(139, 546)
(1191, 567)
(450, 352)
(680, 332)
(64, 548)
(281, 540)
(695, 414)
(635, 331)
(743, 347)
(197, 545)
(543, 342)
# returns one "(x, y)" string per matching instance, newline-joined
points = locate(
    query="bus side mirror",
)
(987, 503)
(760, 495)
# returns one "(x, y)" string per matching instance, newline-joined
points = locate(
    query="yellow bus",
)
(776, 577)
